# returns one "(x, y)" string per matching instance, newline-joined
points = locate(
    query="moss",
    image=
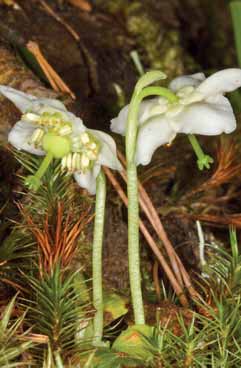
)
(159, 45)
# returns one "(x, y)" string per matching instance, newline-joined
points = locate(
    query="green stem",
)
(133, 245)
(58, 361)
(34, 181)
(137, 62)
(132, 188)
(97, 257)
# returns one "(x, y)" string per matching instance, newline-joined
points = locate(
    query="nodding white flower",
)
(201, 109)
(47, 126)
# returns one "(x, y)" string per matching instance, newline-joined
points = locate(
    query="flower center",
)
(54, 122)
(189, 95)
(85, 151)
(57, 145)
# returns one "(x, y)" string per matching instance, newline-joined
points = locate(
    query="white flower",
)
(201, 109)
(82, 151)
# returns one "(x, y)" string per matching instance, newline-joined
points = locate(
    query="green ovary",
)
(57, 145)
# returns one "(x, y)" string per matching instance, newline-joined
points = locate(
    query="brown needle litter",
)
(54, 79)
(81, 4)
(51, 12)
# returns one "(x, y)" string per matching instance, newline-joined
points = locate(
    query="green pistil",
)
(204, 161)
(33, 182)
(159, 91)
(57, 145)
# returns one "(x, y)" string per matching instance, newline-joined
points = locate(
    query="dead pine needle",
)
(54, 79)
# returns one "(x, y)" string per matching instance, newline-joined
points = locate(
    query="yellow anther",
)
(85, 161)
(37, 136)
(76, 161)
(69, 161)
(31, 117)
(92, 155)
(65, 130)
(64, 163)
(84, 137)
(92, 145)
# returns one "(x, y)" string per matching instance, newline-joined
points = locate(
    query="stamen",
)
(185, 91)
(36, 137)
(63, 163)
(85, 161)
(93, 145)
(69, 161)
(84, 137)
(76, 162)
(92, 155)
(31, 117)
(65, 130)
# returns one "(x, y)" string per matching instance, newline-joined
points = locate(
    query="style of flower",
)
(46, 128)
(200, 108)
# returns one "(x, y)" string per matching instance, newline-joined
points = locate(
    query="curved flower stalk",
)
(200, 108)
(47, 129)
(191, 105)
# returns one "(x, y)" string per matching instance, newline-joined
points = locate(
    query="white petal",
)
(19, 137)
(206, 118)
(107, 155)
(24, 101)
(186, 80)
(41, 105)
(223, 81)
(118, 124)
(153, 134)
(21, 100)
(77, 124)
(88, 180)
(149, 108)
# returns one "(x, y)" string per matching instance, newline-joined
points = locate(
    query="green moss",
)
(159, 45)
(162, 47)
